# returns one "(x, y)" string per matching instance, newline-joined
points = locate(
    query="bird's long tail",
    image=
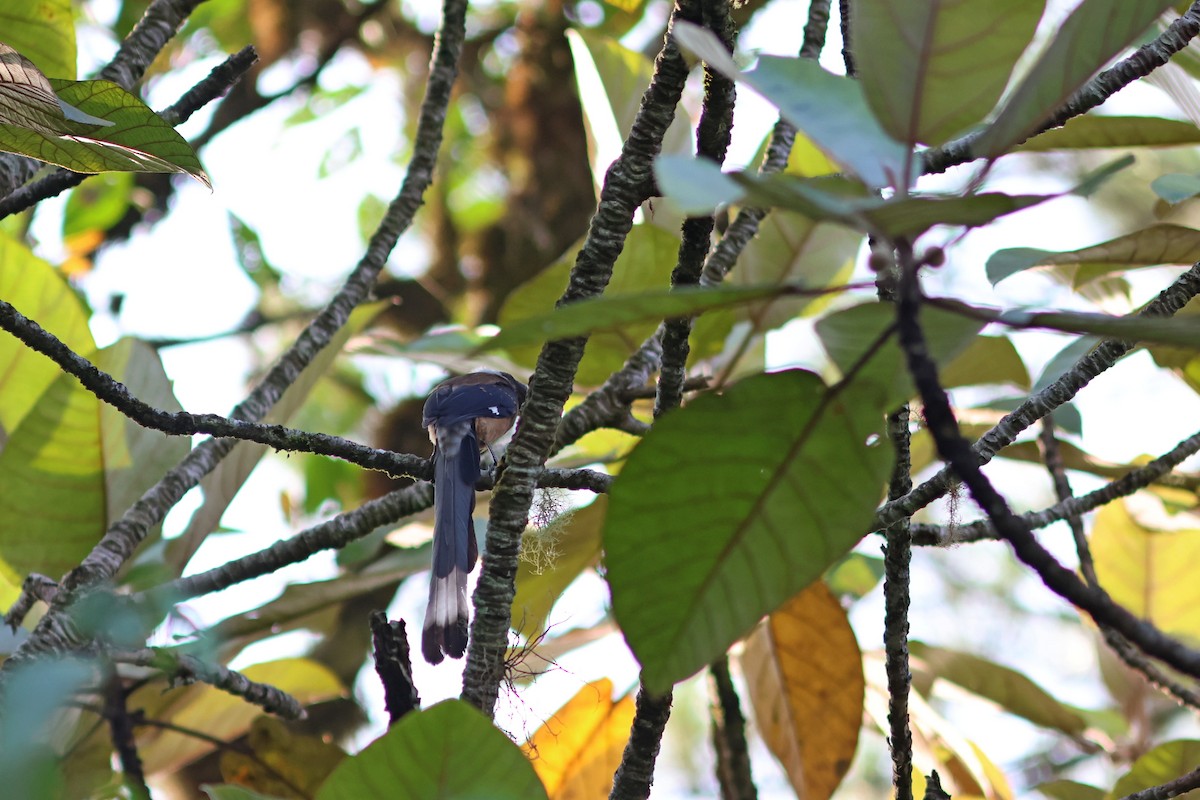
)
(455, 473)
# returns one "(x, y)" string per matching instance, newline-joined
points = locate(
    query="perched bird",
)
(464, 415)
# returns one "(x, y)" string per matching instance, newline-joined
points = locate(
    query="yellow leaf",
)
(551, 558)
(576, 751)
(219, 714)
(284, 763)
(804, 671)
(1148, 571)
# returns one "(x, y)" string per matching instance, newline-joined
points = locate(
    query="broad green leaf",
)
(986, 360)
(43, 31)
(1175, 188)
(97, 204)
(1148, 571)
(32, 286)
(1096, 130)
(611, 79)
(577, 750)
(447, 752)
(1070, 790)
(230, 791)
(696, 185)
(551, 558)
(1183, 332)
(855, 575)
(804, 672)
(611, 313)
(849, 335)
(1009, 689)
(1164, 763)
(201, 707)
(932, 70)
(1158, 244)
(830, 109)
(75, 464)
(1095, 32)
(699, 549)
(138, 140)
(223, 483)
(645, 264)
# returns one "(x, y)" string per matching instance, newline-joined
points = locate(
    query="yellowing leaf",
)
(219, 714)
(551, 558)
(281, 760)
(804, 671)
(577, 750)
(1148, 571)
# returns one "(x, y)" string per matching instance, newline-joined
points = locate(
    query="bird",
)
(464, 415)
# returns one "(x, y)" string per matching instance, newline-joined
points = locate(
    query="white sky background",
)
(180, 279)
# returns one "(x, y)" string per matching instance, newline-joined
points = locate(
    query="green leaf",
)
(932, 70)
(1148, 247)
(1176, 188)
(1095, 130)
(1184, 332)
(696, 185)
(1070, 790)
(1164, 763)
(986, 360)
(230, 791)
(1009, 689)
(43, 31)
(138, 140)
(612, 313)
(551, 558)
(223, 483)
(855, 575)
(32, 286)
(1095, 32)
(75, 464)
(97, 204)
(849, 334)
(645, 264)
(830, 109)
(447, 752)
(699, 549)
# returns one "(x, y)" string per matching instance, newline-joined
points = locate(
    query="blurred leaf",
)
(577, 750)
(1009, 689)
(696, 185)
(227, 791)
(645, 264)
(447, 752)
(778, 505)
(137, 140)
(43, 31)
(34, 697)
(611, 79)
(551, 559)
(201, 707)
(830, 109)
(1148, 571)
(1070, 790)
(1096, 130)
(280, 761)
(223, 483)
(804, 672)
(97, 204)
(854, 575)
(1148, 247)
(847, 336)
(1095, 32)
(31, 286)
(1176, 188)
(610, 313)
(1164, 763)
(986, 360)
(932, 70)
(1182, 332)
(75, 464)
